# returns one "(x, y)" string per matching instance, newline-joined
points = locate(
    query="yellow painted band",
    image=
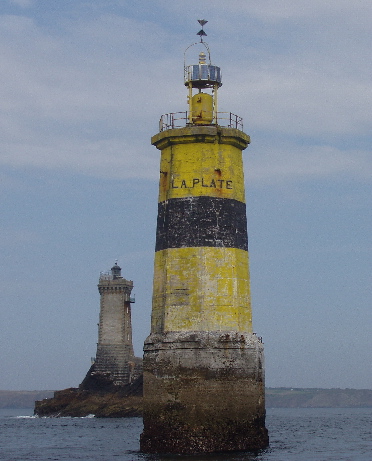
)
(202, 289)
(199, 169)
(194, 163)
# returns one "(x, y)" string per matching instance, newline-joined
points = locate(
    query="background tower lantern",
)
(116, 271)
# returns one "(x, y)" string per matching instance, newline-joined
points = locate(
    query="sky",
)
(82, 87)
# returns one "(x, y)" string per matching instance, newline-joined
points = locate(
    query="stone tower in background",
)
(115, 356)
(115, 347)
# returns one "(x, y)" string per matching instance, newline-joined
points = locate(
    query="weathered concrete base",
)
(203, 392)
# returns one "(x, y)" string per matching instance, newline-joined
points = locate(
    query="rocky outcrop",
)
(98, 396)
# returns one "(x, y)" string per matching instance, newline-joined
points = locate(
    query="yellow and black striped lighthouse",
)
(203, 365)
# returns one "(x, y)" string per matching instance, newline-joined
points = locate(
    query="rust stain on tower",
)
(203, 365)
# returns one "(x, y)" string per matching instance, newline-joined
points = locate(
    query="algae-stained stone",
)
(205, 393)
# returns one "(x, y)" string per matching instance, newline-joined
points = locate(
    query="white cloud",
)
(23, 3)
(301, 100)
(265, 164)
(269, 10)
(88, 97)
(114, 158)
(63, 108)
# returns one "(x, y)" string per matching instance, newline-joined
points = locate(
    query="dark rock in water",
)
(98, 382)
(97, 395)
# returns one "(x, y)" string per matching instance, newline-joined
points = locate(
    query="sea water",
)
(297, 434)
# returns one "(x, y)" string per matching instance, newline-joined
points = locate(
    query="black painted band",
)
(201, 222)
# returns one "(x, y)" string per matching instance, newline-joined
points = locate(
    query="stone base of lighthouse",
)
(118, 361)
(203, 392)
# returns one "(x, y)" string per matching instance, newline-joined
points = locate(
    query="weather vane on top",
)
(201, 32)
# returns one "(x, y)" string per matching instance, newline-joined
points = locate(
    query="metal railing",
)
(182, 119)
(105, 276)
